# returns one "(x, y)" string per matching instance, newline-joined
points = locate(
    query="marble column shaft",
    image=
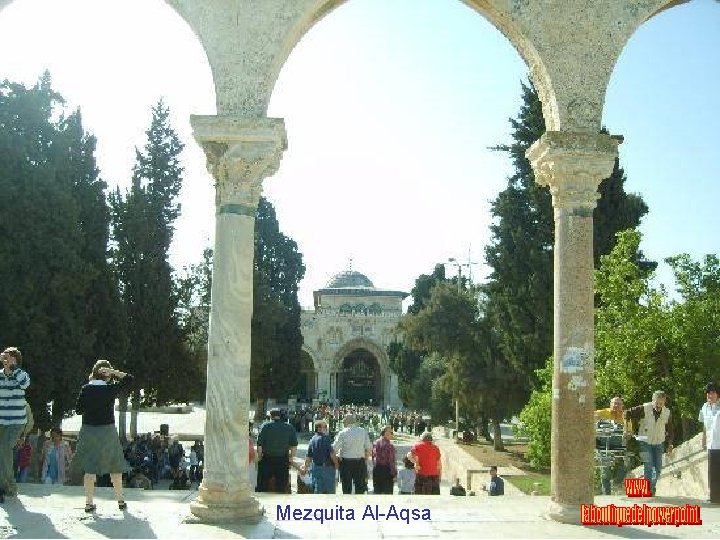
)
(240, 153)
(573, 165)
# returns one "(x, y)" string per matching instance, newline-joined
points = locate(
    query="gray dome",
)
(350, 279)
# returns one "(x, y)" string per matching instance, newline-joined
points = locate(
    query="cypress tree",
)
(520, 290)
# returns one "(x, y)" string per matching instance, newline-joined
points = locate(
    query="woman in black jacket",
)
(98, 449)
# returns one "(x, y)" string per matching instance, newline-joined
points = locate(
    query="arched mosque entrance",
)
(306, 385)
(359, 379)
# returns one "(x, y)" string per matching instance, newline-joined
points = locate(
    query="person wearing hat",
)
(276, 446)
(426, 456)
(710, 418)
(654, 429)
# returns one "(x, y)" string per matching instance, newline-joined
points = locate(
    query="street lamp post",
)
(454, 262)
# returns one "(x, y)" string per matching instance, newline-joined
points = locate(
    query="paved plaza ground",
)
(42, 511)
(57, 512)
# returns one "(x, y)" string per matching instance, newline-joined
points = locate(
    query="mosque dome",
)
(350, 279)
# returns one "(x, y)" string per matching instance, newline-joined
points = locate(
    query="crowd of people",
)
(342, 448)
(359, 448)
(154, 457)
(370, 418)
(342, 441)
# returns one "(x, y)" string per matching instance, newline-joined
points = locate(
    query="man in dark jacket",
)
(276, 446)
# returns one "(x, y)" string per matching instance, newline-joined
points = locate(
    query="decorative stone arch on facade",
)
(380, 393)
(307, 379)
(361, 343)
(313, 356)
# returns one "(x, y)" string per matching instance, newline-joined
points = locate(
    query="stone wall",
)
(684, 473)
(457, 463)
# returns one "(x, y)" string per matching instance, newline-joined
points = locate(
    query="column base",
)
(215, 506)
(564, 513)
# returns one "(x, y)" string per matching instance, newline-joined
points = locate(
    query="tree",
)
(405, 361)
(645, 341)
(276, 335)
(695, 327)
(535, 419)
(143, 221)
(192, 291)
(454, 325)
(633, 339)
(521, 250)
(58, 289)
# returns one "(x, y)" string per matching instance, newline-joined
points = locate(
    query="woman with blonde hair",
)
(98, 449)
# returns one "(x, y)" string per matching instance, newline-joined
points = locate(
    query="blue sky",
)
(390, 106)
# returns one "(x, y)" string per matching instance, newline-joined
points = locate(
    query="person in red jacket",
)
(426, 456)
(24, 456)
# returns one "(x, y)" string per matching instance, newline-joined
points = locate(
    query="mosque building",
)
(345, 342)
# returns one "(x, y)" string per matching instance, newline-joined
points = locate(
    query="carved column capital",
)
(573, 165)
(241, 153)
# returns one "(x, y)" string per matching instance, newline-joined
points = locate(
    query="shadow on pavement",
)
(626, 532)
(42, 525)
(120, 525)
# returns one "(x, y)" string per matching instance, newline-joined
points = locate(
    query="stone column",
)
(573, 165)
(240, 153)
(323, 384)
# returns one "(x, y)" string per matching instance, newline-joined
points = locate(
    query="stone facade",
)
(352, 315)
(570, 48)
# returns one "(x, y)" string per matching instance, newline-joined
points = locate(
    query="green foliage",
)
(406, 361)
(192, 291)
(521, 250)
(535, 419)
(643, 341)
(695, 327)
(454, 326)
(424, 285)
(58, 295)
(143, 225)
(276, 335)
(426, 393)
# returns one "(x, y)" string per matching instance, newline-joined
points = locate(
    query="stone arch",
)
(307, 378)
(633, 16)
(314, 356)
(353, 346)
(362, 343)
(500, 17)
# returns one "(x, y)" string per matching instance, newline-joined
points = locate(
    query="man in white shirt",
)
(710, 418)
(353, 447)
